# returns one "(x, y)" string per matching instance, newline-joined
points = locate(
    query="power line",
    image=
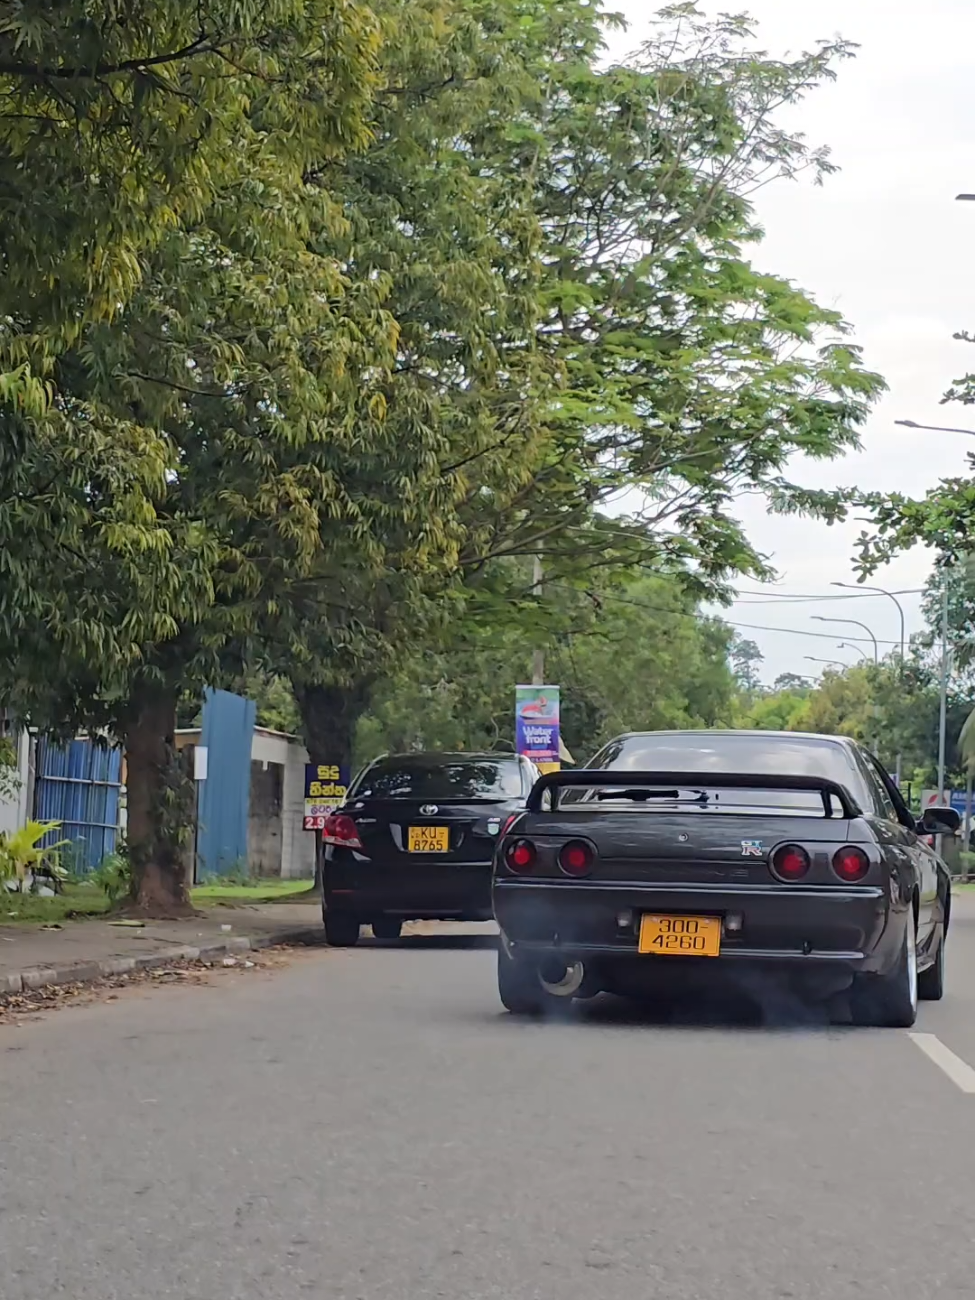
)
(751, 627)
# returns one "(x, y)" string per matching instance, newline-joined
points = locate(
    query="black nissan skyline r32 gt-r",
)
(676, 855)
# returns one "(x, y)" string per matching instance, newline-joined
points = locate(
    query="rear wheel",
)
(518, 986)
(931, 982)
(387, 927)
(890, 1001)
(341, 929)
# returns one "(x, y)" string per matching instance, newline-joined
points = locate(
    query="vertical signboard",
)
(537, 725)
(326, 785)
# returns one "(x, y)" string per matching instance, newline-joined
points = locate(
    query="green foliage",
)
(632, 655)
(121, 122)
(583, 226)
(9, 776)
(23, 855)
(113, 877)
(320, 321)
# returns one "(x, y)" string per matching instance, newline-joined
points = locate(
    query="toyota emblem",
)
(429, 810)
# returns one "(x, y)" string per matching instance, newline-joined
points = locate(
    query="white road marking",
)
(958, 1071)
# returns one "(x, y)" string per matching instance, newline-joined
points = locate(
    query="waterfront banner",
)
(537, 725)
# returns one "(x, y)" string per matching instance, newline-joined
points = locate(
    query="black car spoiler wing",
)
(595, 778)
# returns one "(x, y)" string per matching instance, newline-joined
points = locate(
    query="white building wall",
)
(15, 812)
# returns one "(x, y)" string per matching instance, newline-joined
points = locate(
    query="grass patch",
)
(75, 902)
(258, 891)
(79, 901)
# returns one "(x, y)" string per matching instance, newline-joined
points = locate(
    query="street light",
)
(832, 663)
(860, 651)
(935, 428)
(821, 618)
(882, 591)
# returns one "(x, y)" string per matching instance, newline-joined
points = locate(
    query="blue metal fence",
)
(78, 785)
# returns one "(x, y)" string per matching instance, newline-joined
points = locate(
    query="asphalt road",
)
(368, 1124)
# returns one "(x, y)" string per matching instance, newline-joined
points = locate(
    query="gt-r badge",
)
(751, 848)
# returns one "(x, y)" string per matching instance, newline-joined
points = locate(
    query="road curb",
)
(87, 972)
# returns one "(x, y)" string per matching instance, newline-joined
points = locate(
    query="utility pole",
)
(538, 659)
(943, 721)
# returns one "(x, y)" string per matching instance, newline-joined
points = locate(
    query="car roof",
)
(426, 757)
(742, 731)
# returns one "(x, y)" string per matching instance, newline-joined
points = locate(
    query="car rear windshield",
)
(473, 780)
(757, 753)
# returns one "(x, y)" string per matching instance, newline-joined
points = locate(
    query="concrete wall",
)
(264, 830)
(276, 843)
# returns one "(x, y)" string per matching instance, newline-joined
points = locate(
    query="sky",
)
(883, 242)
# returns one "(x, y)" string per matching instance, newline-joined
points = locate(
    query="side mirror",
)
(939, 821)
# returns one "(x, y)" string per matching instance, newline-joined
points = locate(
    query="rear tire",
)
(341, 929)
(931, 982)
(890, 1001)
(387, 927)
(518, 986)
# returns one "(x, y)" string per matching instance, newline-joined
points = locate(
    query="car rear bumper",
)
(415, 892)
(797, 926)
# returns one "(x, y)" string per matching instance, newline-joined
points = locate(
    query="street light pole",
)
(934, 428)
(821, 618)
(831, 663)
(859, 649)
(538, 658)
(882, 591)
(943, 713)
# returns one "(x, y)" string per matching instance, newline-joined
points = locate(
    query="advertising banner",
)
(537, 725)
(326, 785)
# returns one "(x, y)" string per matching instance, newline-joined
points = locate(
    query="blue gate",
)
(78, 785)
(228, 732)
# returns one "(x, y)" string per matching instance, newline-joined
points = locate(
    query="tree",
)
(121, 120)
(745, 658)
(657, 360)
(148, 514)
(458, 691)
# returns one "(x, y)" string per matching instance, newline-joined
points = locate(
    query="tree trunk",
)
(158, 801)
(966, 847)
(329, 715)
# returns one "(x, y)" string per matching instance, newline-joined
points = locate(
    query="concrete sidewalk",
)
(87, 950)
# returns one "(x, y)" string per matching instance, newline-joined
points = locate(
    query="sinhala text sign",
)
(537, 725)
(326, 785)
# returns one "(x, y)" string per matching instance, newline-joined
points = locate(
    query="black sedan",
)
(759, 856)
(415, 839)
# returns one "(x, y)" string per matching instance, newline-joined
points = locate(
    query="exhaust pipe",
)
(561, 979)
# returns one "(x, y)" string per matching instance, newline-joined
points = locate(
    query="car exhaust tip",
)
(561, 979)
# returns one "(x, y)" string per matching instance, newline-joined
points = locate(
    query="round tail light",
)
(576, 858)
(520, 856)
(850, 864)
(790, 862)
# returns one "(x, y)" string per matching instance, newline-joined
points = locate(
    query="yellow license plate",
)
(428, 839)
(680, 936)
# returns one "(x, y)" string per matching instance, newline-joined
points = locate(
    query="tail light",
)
(341, 830)
(790, 862)
(509, 821)
(850, 864)
(520, 855)
(576, 858)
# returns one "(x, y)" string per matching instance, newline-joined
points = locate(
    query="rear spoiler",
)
(594, 778)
